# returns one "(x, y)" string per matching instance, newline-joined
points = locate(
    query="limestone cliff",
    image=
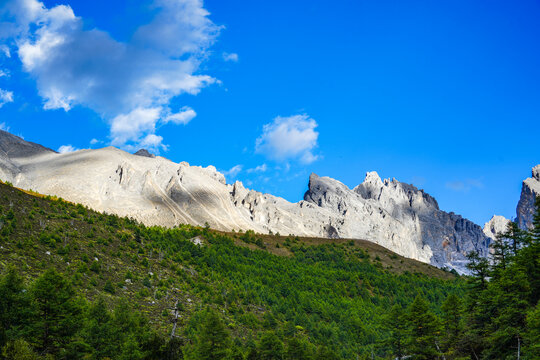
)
(530, 190)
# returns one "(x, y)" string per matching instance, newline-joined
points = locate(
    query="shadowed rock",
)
(530, 190)
(145, 153)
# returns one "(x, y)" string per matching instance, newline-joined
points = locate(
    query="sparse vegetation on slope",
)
(297, 298)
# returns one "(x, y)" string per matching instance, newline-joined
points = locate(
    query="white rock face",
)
(496, 225)
(157, 191)
(530, 190)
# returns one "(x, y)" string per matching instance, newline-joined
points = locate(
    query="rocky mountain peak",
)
(530, 190)
(496, 225)
(536, 172)
(12, 146)
(145, 153)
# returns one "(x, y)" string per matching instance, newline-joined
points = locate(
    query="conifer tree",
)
(299, 348)
(451, 320)
(58, 312)
(14, 307)
(424, 331)
(531, 347)
(396, 324)
(270, 347)
(214, 340)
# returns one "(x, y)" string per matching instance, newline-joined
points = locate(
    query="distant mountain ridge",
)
(157, 191)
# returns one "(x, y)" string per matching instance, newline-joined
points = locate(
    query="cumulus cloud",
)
(292, 137)
(94, 141)
(230, 57)
(464, 186)
(130, 84)
(5, 97)
(233, 172)
(64, 149)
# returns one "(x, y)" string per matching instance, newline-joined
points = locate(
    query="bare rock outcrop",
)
(496, 225)
(530, 190)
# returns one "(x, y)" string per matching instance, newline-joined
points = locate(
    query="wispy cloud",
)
(464, 185)
(292, 137)
(119, 80)
(5, 97)
(230, 57)
(258, 169)
(232, 172)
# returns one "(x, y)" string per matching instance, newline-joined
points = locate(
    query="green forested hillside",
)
(80, 284)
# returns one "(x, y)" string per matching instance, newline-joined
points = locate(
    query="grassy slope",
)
(337, 290)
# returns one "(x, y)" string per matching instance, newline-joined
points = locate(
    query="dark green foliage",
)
(299, 348)
(322, 301)
(15, 310)
(452, 324)
(270, 347)
(213, 341)
(58, 313)
(397, 326)
(424, 330)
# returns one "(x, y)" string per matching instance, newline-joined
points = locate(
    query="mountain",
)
(529, 191)
(157, 191)
(496, 225)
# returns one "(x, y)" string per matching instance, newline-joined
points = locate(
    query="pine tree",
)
(452, 322)
(214, 340)
(15, 306)
(19, 350)
(424, 331)
(100, 333)
(501, 252)
(516, 237)
(270, 347)
(58, 313)
(479, 267)
(396, 324)
(531, 348)
(299, 348)
(324, 353)
(507, 298)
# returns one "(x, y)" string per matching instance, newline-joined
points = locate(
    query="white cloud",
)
(94, 141)
(185, 115)
(119, 80)
(64, 149)
(4, 73)
(233, 172)
(260, 168)
(5, 50)
(230, 57)
(131, 127)
(292, 137)
(4, 126)
(464, 186)
(5, 97)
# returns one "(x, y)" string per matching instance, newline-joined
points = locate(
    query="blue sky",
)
(444, 95)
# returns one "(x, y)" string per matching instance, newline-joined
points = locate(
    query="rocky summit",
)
(530, 190)
(157, 191)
